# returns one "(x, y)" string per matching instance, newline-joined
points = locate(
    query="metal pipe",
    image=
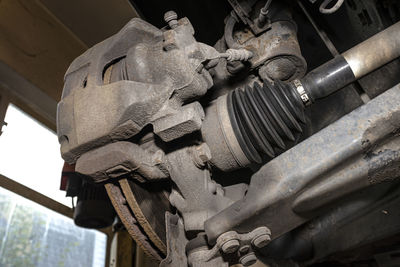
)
(351, 65)
(263, 16)
(247, 125)
(375, 52)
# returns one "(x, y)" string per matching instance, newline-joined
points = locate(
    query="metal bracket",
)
(176, 242)
(243, 13)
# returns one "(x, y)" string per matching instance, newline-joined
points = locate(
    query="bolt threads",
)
(171, 17)
(237, 54)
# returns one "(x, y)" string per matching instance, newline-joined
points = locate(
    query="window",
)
(30, 155)
(31, 235)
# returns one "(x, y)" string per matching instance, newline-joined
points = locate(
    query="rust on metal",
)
(130, 222)
(142, 203)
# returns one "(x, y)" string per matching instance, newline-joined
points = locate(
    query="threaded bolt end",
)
(170, 17)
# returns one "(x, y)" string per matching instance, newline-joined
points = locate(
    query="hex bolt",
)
(204, 152)
(261, 241)
(248, 259)
(201, 155)
(230, 246)
(171, 18)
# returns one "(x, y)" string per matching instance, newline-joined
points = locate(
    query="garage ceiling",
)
(40, 38)
(92, 21)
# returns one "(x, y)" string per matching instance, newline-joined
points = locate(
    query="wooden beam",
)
(42, 200)
(4, 101)
(92, 21)
(36, 45)
(35, 196)
(39, 39)
(12, 83)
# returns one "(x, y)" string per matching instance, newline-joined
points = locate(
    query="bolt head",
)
(230, 246)
(204, 152)
(248, 259)
(201, 155)
(261, 241)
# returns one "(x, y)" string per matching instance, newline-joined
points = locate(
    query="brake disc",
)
(131, 224)
(149, 202)
(142, 208)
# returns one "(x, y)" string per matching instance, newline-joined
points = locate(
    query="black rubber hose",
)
(328, 78)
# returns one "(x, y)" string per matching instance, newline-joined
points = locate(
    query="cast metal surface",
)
(170, 73)
(227, 138)
(350, 154)
(132, 226)
(176, 242)
(149, 205)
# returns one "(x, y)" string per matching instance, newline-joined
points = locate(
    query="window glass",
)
(31, 235)
(30, 155)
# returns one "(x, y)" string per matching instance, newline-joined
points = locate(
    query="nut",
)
(261, 241)
(201, 155)
(248, 259)
(230, 246)
(228, 242)
(204, 152)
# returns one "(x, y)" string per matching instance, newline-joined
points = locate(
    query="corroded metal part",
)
(154, 74)
(149, 206)
(129, 110)
(130, 222)
(277, 50)
(197, 196)
(362, 146)
(177, 241)
(122, 159)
